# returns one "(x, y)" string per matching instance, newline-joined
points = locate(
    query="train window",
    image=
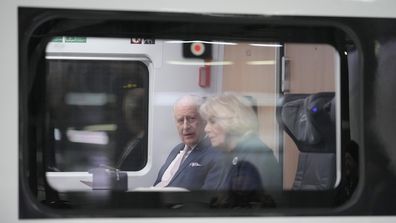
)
(98, 113)
(100, 110)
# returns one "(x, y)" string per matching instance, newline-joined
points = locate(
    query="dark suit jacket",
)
(200, 171)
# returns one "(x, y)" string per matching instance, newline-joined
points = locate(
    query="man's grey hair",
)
(192, 99)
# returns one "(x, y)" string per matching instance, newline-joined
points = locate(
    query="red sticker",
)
(197, 49)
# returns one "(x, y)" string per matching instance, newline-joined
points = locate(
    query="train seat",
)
(309, 119)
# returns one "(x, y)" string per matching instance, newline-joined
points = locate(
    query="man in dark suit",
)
(193, 164)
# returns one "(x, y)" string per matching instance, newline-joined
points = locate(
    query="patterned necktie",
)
(187, 151)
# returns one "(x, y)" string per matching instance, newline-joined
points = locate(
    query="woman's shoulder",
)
(252, 142)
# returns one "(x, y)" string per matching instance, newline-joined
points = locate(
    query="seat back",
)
(309, 119)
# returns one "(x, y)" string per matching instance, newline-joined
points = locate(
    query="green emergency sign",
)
(75, 39)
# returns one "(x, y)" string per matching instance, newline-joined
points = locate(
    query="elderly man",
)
(193, 164)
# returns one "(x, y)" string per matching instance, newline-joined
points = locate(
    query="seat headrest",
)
(310, 121)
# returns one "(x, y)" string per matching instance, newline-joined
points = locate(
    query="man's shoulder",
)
(205, 150)
(253, 143)
(206, 146)
(212, 153)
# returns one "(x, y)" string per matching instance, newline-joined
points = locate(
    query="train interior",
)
(110, 105)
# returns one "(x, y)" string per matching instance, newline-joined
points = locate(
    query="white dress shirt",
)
(174, 166)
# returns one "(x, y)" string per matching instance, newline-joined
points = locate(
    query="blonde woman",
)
(232, 127)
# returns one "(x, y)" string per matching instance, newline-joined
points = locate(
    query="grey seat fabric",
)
(309, 120)
(315, 171)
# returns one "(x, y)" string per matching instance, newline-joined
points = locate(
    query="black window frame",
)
(37, 26)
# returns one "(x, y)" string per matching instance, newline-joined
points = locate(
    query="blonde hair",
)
(233, 113)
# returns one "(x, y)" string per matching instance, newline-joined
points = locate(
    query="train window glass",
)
(107, 124)
(98, 104)
(96, 112)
